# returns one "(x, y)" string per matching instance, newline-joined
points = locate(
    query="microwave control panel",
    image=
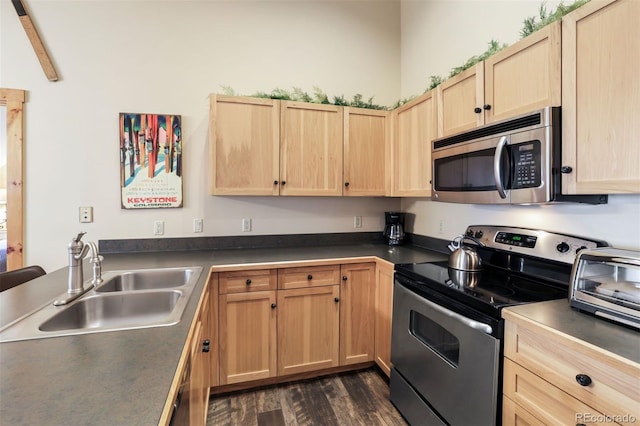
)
(527, 165)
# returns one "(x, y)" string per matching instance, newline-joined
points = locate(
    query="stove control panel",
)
(533, 242)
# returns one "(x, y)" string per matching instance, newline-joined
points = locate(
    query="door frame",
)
(14, 100)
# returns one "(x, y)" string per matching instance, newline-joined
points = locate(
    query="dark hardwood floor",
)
(355, 398)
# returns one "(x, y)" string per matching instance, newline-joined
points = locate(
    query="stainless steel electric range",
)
(447, 329)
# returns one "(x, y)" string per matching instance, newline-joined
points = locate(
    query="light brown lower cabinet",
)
(313, 318)
(247, 324)
(383, 315)
(558, 379)
(308, 329)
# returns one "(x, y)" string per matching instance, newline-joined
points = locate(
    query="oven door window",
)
(435, 337)
(472, 171)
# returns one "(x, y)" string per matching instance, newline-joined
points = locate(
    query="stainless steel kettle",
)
(464, 258)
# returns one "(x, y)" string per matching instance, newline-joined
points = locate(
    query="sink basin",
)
(126, 300)
(116, 310)
(149, 279)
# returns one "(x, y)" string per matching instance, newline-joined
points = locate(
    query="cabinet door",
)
(311, 149)
(601, 98)
(357, 316)
(247, 336)
(460, 101)
(244, 140)
(525, 76)
(198, 396)
(308, 329)
(214, 353)
(384, 311)
(366, 163)
(415, 126)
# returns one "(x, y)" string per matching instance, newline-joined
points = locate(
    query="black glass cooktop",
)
(489, 290)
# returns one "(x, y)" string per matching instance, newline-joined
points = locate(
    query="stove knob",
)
(478, 234)
(470, 232)
(563, 247)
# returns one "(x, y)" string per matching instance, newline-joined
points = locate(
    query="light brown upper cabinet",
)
(520, 78)
(366, 147)
(311, 149)
(244, 144)
(601, 98)
(415, 126)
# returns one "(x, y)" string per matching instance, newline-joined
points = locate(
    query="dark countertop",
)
(558, 315)
(123, 377)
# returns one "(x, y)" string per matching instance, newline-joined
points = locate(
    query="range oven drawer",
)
(446, 358)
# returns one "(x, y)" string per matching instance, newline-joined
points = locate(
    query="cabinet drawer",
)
(243, 281)
(558, 359)
(308, 276)
(543, 400)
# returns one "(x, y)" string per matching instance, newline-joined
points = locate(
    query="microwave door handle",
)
(497, 171)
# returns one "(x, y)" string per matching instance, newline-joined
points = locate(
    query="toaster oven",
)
(606, 282)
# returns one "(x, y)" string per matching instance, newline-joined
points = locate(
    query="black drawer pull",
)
(583, 380)
(477, 110)
(566, 169)
(248, 281)
(344, 278)
(486, 107)
(273, 306)
(309, 277)
(337, 299)
(275, 182)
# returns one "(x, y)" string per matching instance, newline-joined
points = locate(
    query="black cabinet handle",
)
(337, 299)
(205, 345)
(248, 281)
(284, 182)
(580, 424)
(275, 182)
(486, 107)
(309, 277)
(477, 110)
(583, 380)
(344, 278)
(346, 184)
(273, 306)
(566, 169)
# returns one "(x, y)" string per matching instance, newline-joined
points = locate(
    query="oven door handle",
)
(485, 328)
(497, 170)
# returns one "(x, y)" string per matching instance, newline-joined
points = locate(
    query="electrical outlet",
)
(86, 214)
(197, 225)
(246, 224)
(441, 227)
(357, 221)
(158, 227)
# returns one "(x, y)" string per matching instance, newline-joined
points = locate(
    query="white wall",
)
(440, 35)
(167, 57)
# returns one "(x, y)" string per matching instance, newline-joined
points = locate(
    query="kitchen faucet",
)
(77, 251)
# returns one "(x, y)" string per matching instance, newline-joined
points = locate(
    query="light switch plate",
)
(158, 227)
(197, 225)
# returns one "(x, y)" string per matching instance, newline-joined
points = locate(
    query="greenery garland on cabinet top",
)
(530, 25)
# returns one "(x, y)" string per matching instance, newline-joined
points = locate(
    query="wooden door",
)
(311, 149)
(247, 336)
(357, 316)
(460, 101)
(601, 98)
(366, 163)
(384, 312)
(308, 329)
(525, 76)
(244, 138)
(415, 126)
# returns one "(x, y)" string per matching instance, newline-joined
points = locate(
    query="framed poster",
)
(150, 161)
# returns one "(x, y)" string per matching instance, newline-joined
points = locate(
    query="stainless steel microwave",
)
(514, 161)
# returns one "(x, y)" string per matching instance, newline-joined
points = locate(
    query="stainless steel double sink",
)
(125, 300)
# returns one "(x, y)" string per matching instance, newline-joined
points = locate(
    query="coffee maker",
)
(394, 228)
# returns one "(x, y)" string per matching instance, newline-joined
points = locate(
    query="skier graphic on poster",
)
(150, 161)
